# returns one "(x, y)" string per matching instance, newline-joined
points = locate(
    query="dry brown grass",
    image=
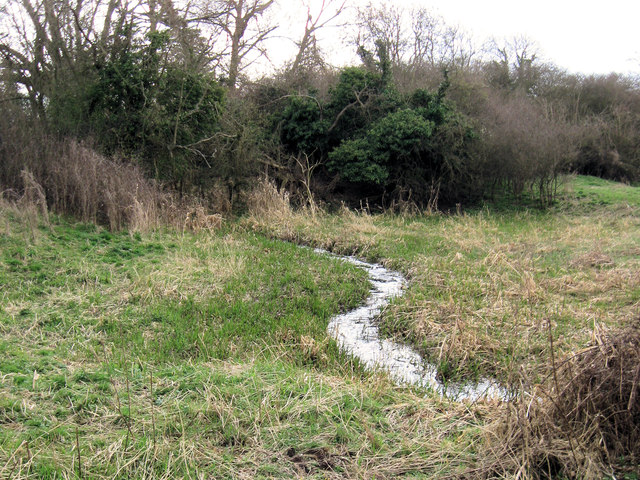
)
(581, 422)
(271, 212)
(198, 219)
(266, 200)
(29, 210)
(34, 197)
(180, 274)
(99, 190)
(69, 177)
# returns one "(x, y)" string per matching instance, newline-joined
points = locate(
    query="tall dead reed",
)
(100, 190)
(70, 177)
(267, 200)
(270, 211)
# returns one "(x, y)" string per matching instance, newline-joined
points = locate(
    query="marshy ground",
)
(205, 355)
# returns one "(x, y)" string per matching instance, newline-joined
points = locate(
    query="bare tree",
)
(457, 49)
(514, 63)
(383, 23)
(424, 27)
(46, 40)
(307, 46)
(244, 31)
(415, 38)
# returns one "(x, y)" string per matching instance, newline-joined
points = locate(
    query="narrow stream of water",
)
(357, 333)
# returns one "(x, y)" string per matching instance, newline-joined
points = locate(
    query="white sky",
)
(582, 36)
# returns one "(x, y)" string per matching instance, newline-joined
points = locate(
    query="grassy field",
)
(202, 355)
(181, 355)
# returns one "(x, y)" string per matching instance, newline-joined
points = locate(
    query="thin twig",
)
(79, 457)
(153, 419)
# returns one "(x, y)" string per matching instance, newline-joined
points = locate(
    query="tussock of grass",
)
(271, 213)
(582, 419)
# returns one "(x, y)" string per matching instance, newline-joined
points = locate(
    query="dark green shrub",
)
(392, 144)
(144, 105)
(369, 135)
(303, 127)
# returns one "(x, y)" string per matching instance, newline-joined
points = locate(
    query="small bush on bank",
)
(524, 147)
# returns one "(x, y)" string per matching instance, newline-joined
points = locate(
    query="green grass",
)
(170, 355)
(225, 420)
(162, 297)
(487, 289)
(597, 191)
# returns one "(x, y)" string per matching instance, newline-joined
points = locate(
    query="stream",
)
(357, 333)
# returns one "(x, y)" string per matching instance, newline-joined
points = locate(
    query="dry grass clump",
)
(583, 421)
(29, 209)
(271, 212)
(96, 189)
(593, 259)
(34, 197)
(198, 219)
(267, 200)
(69, 177)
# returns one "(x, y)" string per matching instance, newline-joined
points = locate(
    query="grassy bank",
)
(487, 290)
(205, 355)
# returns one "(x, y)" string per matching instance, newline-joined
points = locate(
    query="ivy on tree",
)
(369, 134)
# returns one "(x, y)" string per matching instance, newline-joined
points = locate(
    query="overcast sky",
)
(582, 36)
